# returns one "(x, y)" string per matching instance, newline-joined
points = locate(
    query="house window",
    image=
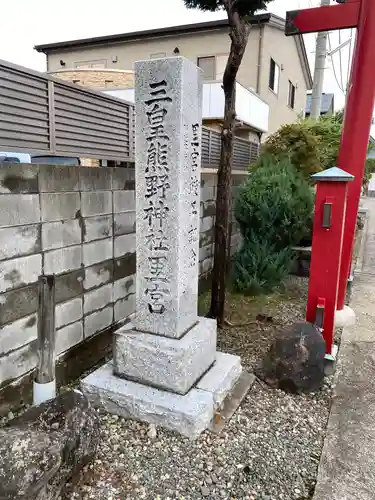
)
(98, 65)
(207, 64)
(274, 76)
(291, 95)
(91, 64)
(158, 55)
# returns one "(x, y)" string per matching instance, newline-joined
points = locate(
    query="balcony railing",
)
(250, 108)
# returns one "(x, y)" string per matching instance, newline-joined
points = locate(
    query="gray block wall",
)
(79, 224)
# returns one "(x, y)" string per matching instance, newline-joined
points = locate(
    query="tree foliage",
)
(312, 146)
(300, 144)
(275, 204)
(243, 7)
(274, 209)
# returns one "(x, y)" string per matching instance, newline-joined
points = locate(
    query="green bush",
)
(259, 267)
(369, 170)
(300, 144)
(328, 132)
(312, 146)
(370, 165)
(274, 210)
(275, 203)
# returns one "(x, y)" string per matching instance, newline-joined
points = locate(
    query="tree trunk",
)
(239, 33)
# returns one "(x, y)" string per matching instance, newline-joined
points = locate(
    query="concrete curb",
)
(358, 266)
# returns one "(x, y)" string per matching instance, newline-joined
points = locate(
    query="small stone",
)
(152, 433)
(205, 491)
(10, 415)
(55, 426)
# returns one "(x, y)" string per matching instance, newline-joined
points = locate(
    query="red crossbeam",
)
(333, 17)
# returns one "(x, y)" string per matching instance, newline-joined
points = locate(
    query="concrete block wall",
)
(79, 224)
(207, 222)
(76, 223)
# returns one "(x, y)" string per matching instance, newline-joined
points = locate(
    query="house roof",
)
(326, 102)
(264, 18)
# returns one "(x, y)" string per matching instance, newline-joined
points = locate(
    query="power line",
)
(350, 58)
(340, 62)
(333, 65)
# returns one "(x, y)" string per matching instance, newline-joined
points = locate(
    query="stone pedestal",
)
(166, 369)
(169, 364)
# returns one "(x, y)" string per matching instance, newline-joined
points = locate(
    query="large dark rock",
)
(45, 447)
(295, 360)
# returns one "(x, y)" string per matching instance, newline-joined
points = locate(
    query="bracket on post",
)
(319, 316)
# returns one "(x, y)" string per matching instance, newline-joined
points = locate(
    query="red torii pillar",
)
(358, 14)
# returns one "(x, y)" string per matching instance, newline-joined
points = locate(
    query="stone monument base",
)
(188, 414)
(169, 364)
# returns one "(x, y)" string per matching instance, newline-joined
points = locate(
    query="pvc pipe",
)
(43, 392)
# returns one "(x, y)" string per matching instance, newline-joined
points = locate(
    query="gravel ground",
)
(270, 449)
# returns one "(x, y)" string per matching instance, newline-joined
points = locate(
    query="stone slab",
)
(223, 375)
(19, 333)
(95, 179)
(98, 275)
(123, 179)
(20, 240)
(166, 363)
(97, 228)
(69, 336)
(124, 287)
(98, 298)
(68, 312)
(168, 96)
(97, 251)
(124, 223)
(124, 266)
(55, 178)
(59, 206)
(61, 234)
(98, 321)
(18, 272)
(17, 179)
(19, 362)
(19, 210)
(63, 260)
(232, 401)
(18, 303)
(124, 245)
(123, 201)
(69, 285)
(97, 203)
(188, 415)
(123, 308)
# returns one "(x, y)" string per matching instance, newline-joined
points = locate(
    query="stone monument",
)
(165, 368)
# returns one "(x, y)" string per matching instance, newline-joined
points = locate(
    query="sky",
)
(26, 23)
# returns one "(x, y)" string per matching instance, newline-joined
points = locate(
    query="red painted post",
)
(328, 231)
(357, 125)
